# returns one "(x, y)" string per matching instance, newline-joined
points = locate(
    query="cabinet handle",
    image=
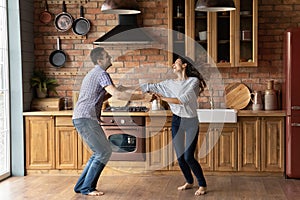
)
(295, 124)
(295, 107)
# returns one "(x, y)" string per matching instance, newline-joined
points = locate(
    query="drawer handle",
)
(295, 124)
(295, 107)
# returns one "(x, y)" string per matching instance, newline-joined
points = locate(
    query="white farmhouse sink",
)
(217, 115)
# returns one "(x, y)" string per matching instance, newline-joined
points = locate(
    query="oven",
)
(126, 135)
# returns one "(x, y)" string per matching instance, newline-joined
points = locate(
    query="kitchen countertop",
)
(242, 113)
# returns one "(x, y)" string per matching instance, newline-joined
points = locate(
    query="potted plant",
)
(43, 84)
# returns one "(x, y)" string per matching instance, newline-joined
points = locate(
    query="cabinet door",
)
(204, 150)
(246, 33)
(66, 148)
(249, 144)
(222, 31)
(40, 143)
(173, 162)
(84, 153)
(272, 144)
(225, 149)
(177, 23)
(156, 148)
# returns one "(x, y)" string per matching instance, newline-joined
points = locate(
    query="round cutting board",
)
(237, 96)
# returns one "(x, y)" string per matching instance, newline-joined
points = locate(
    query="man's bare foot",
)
(95, 193)
(185, 186)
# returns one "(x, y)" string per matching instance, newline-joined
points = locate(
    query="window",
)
(4, 95)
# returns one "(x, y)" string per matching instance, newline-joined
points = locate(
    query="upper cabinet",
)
(228, 39)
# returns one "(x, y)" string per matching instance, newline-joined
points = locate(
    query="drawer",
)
(63, 121)
(159, 121)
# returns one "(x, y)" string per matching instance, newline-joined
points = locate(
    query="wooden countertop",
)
(241, 113)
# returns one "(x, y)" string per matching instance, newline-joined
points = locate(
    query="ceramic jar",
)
(270, 97)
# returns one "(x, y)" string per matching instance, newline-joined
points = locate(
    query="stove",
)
(127, 109)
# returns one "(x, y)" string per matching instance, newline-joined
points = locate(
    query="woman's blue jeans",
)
(185, 133)
(93, 135)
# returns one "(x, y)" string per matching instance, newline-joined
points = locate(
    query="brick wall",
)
(150, 64)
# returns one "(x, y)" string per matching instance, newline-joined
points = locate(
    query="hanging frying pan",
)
(81, 26)
(64, 20)
(58, 57)
(45, 16)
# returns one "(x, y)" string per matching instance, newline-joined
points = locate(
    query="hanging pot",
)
(81, 26)
(64, 20)
(58, 57)
(45, 16)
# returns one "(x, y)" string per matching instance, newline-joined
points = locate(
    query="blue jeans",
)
(93, 135)
(185, 137)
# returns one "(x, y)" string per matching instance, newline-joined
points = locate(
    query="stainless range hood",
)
(126, 32)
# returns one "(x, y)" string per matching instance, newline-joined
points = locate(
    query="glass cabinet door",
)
(246, 42)
(201, 36)
(179, 28)
(222, 31)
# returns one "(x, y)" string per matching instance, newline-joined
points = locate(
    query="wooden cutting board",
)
(237, 96)
(113, 102)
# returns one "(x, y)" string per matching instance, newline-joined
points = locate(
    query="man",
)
(96, 86)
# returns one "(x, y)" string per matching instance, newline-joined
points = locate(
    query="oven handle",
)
(121, 128)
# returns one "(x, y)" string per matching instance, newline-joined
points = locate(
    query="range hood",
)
(126, 32)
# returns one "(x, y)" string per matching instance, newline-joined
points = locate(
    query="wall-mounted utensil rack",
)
(66, 73)
(66, 2)
(67, 37)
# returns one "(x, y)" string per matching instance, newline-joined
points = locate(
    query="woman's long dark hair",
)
(191, 71)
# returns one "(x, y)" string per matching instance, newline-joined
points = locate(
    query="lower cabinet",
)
(254, 144)
(40, 143)
(261, 144)
(157, 142)
(53, 143)
(217, 147)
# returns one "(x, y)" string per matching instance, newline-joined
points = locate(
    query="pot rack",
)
(66, 73)
(66, 37)
(67, 1)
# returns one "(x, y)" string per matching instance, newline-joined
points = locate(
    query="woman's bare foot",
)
(95, 193)
(200, 191)
(185, 186)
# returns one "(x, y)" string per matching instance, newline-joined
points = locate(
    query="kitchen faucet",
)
(211, 99)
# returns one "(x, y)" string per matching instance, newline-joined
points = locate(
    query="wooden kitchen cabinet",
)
(225, 149)
(157, 142)
(52, 143)
(216, 149)
(66, 143)
(84, 154)
(40, 143)
(261, 144)
(254, 144)
(231, 37)
(249, 144)
(272, 149)
(204, 150)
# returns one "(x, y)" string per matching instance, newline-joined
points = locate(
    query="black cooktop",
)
(126, 109)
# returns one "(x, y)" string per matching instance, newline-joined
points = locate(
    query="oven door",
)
(127, 142)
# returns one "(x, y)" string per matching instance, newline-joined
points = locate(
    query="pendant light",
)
(215, 5)
(120, 7)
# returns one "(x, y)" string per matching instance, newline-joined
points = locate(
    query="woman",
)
(181, 95)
